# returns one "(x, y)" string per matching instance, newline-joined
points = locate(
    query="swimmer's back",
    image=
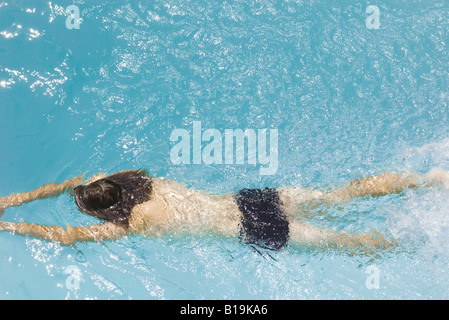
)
(176, 208)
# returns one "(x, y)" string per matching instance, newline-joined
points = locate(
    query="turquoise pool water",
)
(347, 98)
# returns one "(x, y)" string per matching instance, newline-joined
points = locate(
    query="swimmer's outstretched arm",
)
(45, 191)
(69, 236)
(307, 236)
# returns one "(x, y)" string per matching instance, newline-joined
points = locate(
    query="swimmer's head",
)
(113, 197)
(100, 199)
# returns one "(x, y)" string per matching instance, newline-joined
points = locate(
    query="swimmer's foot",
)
(437, 176)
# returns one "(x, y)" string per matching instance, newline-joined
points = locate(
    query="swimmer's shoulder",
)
(153, 216)
(148, 217)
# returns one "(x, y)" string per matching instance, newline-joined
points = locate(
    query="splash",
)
(422, 221)
(433, 154)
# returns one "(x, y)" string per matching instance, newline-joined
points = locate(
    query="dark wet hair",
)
(113, 197)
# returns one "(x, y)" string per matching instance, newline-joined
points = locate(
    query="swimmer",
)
(133, 203)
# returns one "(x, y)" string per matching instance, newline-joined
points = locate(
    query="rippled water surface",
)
(347, 101)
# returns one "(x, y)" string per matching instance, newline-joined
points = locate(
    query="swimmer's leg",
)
(301, 199)
(375, 186)
(298, 201)
(387, 183)
(305, 235)
(305, 201)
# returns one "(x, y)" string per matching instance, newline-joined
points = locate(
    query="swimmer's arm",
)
(311, 237)
(69, 236)
(45, 191)
(99, 176)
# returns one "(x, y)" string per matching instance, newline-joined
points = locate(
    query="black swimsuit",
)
(263, 220)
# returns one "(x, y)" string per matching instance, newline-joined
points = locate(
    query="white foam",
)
(422, 221)
(434, 154)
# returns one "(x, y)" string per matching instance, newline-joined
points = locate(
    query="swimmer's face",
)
(98, 196)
